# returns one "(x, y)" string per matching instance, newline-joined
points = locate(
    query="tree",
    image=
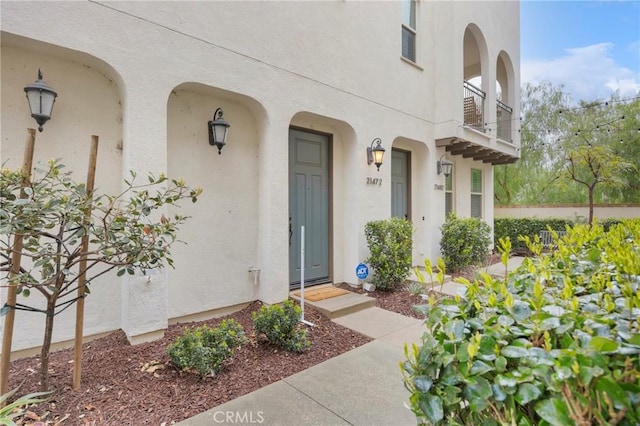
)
(526, 181)
(591, 166)
(591, 151)
(627, 145)
(553, 128)
(125, 232)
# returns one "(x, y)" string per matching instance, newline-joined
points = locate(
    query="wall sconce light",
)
(218, 130)
(375, 154)
(41, 98)
(444, 166)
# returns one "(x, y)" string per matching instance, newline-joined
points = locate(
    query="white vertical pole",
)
(302, 276)
(302, 270)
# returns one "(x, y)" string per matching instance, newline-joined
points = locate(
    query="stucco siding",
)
(89, 104)
(147, 76)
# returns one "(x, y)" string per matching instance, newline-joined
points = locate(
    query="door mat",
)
(321, 293)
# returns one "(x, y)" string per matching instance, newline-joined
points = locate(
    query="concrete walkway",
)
(361, 387)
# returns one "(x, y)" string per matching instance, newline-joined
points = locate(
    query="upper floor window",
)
(476, 193)
(409, 29)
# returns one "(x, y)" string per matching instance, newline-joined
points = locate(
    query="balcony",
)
(503, 120)
(474, 106)
(493, 144)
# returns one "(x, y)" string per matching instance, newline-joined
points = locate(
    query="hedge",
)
(514, 227)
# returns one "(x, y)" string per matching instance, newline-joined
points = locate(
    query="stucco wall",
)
(88, 104)
(147, 76)
(221, 233)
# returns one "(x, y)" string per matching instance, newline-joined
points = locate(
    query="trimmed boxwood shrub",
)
(465, 242)
(280, 325)
(204, 349)
(557, 342)
(390, 243)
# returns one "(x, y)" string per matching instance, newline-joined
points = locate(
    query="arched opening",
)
(504, 97)
(90, 94)
(221, 232)
(311, 135)
(473, 69)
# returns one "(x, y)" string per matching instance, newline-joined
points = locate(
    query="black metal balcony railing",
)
(503, 118)
(473, 106)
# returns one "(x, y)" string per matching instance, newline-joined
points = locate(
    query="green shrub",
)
(555, 343)
(514, 228)
(280, 324)
(526, 227)
(609, 223)
(390, 243)
(204, 349)
(465, 241)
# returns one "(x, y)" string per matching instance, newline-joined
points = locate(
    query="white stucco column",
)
(360, 202)
(144, 297)
(489, 199)
(364, 201)
(273, 217)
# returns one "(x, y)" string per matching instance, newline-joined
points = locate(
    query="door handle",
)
(290, 231)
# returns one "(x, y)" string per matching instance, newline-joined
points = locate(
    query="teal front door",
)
(308, 206)
(400, 184)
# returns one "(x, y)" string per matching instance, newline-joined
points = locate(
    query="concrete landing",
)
(338, 306)
(378, 323)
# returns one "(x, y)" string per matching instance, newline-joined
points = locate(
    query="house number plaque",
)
(374, 181)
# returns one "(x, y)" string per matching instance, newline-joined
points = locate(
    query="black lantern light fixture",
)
(41, 98)
(445, 166)
(218, 130)
(375, 154)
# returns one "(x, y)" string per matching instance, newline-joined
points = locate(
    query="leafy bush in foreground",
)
(556, 343)
(204, 349)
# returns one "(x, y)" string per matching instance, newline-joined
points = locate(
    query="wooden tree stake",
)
(82, 279)
(16, 258)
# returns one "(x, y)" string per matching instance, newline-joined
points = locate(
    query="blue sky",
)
(591, 47)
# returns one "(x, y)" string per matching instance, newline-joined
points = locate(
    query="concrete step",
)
(338, 306)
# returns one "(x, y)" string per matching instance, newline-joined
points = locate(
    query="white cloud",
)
(586, 73)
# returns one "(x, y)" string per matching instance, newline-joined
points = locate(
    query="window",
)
(409, 29)
(448, 195)
(476, 193)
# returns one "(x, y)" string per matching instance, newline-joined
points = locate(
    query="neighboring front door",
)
(308, 206)
(400, 184)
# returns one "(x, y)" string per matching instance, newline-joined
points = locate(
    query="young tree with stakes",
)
(125, 232)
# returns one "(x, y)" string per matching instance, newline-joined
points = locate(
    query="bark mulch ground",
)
(137, 385)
